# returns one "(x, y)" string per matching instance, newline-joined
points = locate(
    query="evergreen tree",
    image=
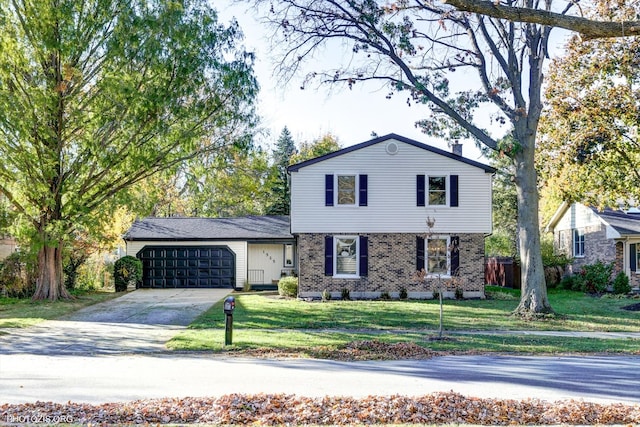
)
(280, 190)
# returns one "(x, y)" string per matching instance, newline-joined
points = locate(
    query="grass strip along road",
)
(265, 323)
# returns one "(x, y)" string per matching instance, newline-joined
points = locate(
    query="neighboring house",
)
(359, 216)
(212, 252)
(8, 245)
(589, 235)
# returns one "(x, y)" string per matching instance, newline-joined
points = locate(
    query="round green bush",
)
(621, 284)
(127, 271)
(288, 286)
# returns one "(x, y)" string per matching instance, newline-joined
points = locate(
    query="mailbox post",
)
(229, 306)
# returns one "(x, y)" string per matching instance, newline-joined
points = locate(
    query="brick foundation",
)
(392, 264)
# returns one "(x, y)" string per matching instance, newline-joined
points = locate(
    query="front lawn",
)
(578, 312)
(266, 322)
(21, 313)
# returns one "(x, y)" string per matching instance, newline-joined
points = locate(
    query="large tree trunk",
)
(534, 299)
(50, 284)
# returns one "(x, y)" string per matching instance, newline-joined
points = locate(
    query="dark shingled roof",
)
(241, 228)
(624, 223)
(298, 166)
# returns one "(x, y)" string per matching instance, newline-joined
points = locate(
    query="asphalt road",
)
(107, 378)
(114, 351)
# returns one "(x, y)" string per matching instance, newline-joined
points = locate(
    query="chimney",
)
(456, 149)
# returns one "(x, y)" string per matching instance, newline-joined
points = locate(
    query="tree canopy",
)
(318, 147)
(416, 49)
(590, 149)
(97, 95)
(280, 192)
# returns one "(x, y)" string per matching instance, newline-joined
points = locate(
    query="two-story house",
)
(358, 222)
(359, 216)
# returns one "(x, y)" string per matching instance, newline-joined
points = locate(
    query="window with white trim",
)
(578, 243)
(346, 250)
(288, 255)
(437, 190)
(346, 190)
(438, 256)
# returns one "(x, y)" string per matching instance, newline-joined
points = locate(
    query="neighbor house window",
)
(578, 243)
(437, 190)
(288, 255)
(438, 256)
(346, 256)
(346, 189)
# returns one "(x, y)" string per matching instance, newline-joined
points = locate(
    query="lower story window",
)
(346, 256)
(288, 255)
(438, 256)
(578, 243)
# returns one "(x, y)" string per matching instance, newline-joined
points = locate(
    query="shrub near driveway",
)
(304, 325)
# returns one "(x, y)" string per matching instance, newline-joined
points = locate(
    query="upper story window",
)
(346, 190)
(437, 190)
(578, 243)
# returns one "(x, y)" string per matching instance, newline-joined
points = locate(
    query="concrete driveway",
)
(141, 321)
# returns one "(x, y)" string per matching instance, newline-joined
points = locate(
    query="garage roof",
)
(239, 228)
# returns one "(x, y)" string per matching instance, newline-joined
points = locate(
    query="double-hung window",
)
(346, 190)
(578, 243)
(437, 190)
(346, 256)
(438, 255)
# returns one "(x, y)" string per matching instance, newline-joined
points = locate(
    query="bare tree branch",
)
(587, 28)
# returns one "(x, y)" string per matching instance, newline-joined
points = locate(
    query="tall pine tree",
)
(285, 148)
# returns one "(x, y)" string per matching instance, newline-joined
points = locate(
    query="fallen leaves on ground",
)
(279, 409)
(353, 351)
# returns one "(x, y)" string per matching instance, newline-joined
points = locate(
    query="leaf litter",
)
(289, 409)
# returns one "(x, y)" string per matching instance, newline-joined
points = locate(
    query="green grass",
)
(269, 322)
(305, 342)
(577, 312)
(22, 313)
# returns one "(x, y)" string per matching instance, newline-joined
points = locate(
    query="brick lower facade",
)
(597, 247)
(392, 265)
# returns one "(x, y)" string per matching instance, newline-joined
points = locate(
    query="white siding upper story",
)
(391, 193)
(239, 248)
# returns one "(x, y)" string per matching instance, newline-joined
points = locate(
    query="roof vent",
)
(392, 148)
